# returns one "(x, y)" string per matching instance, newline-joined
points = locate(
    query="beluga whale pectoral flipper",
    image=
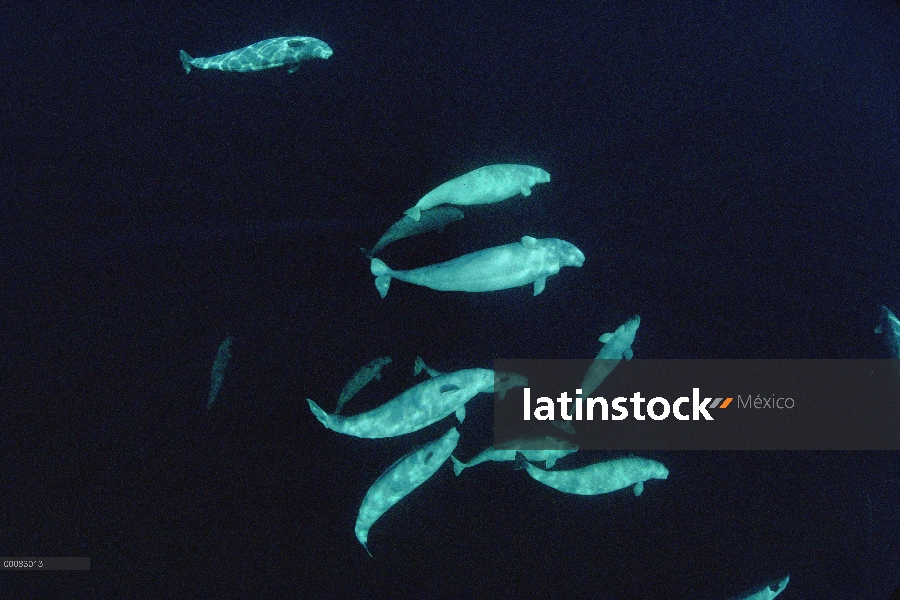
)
(267, 54)
(529, 261)
(400, 479)
(485, 185)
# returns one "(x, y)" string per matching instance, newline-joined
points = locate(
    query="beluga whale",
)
(529, 261)
(599, 478)
(416, 408)
(267, 54)
(548, 450)
(217, 375)
(616, 346)
(432, 219)
(485, 185)
(400, 479)
(372, 370)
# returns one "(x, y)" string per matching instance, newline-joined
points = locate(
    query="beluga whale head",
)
(305, 47)
(569, 255)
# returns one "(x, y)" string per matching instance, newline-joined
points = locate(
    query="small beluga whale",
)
(549, 449)
(599, 478)
(485, 185)
(416, 408)
(890, 327)
(768, 592)
(400, 479)
(367, 373)
(267, 54)
(616, 346)
(432, 219)
(217, 375)
(529, 261)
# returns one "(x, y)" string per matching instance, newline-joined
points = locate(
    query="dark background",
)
(729, 169)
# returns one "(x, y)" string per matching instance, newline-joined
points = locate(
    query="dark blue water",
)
(730, 170)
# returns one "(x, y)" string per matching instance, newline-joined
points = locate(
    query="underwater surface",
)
(730, 170)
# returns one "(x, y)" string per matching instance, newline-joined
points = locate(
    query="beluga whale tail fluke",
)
(186, 60)
(529, 261)
(382, 274)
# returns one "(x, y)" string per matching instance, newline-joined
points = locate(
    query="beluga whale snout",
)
(569, 254)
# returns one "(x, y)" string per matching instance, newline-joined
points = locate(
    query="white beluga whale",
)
(599, 478)
(616, 346)
(400, 479)
(485, 185)
(367, 373)
(769, 591)
(217, 375)
(548, 449)
(267, 54)
(432, 219)
(890, 327)
(416, 408)
(529, 261)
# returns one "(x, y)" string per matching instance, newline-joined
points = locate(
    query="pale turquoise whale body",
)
(498, 268)
(416, 408)
(485, 185)
(400, 479)
(600, 478)
(267, 54)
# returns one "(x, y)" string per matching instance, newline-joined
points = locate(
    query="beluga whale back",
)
(485, 185)
(267, 54)
(499, 268)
